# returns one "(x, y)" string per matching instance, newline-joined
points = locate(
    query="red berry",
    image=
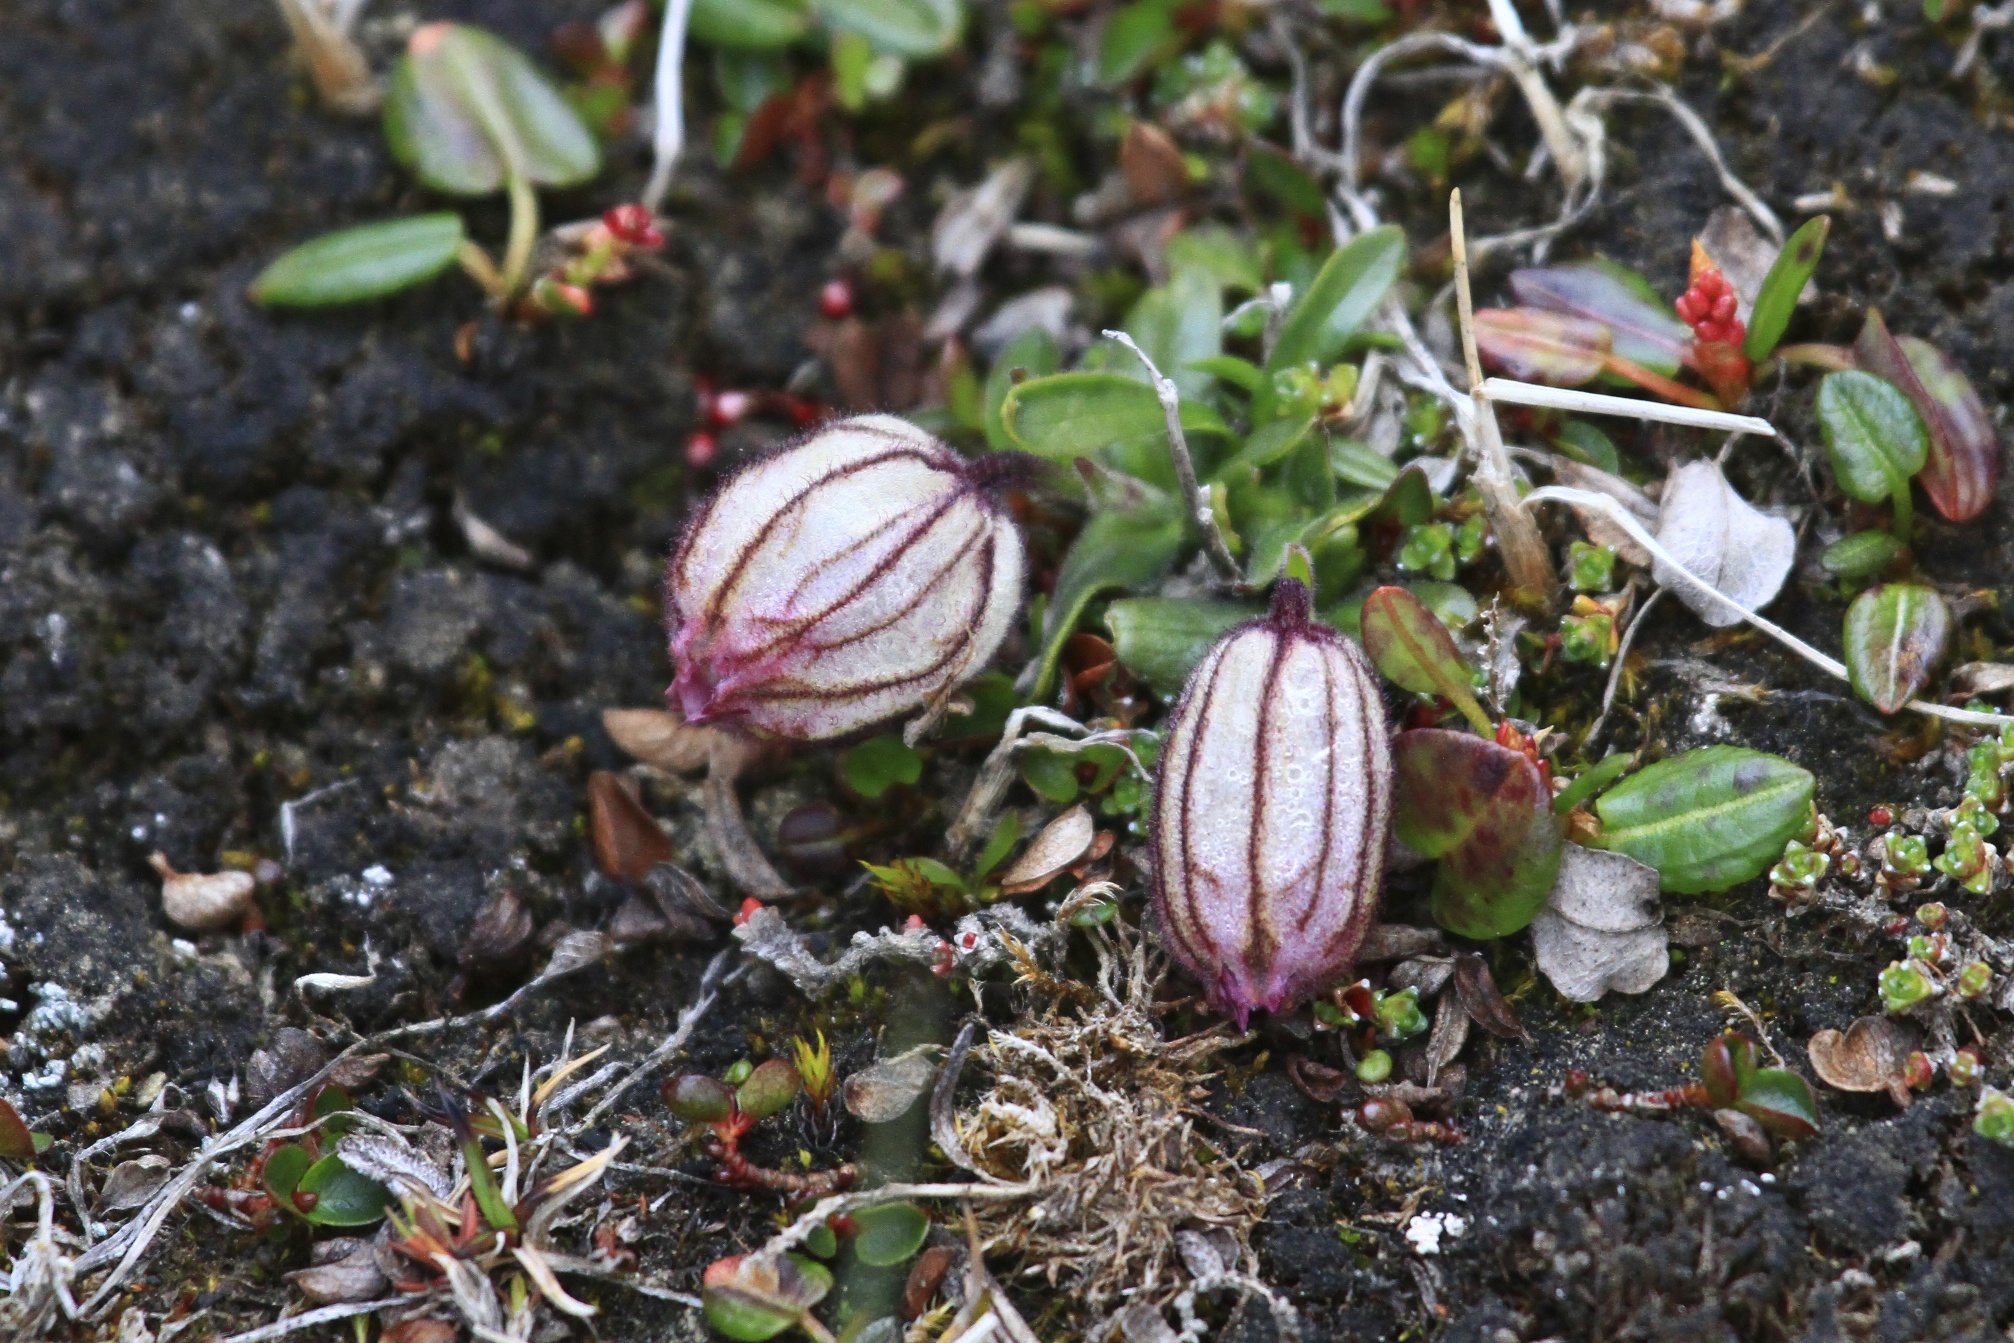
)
(835, 300)
(700, 449)
(1880, 816)
(634, 225)
(748, 906)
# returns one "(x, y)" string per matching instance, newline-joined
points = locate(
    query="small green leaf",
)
(1586, 444)
(822, 1241)
(911, 28)
(889, 1234)
(1108, 417)
(751, 1299)
(1033, 354)
(466, 111)
(1052, 775)
(1780, 1101)
(878, 764)
(1358, 463)
(1178, 325)
(999, 844)
(748, 25)
(1231, 257)
(285, 1165)
(1708, 819)
(1240, 373)
(1114, 550)
(354, 265)
(699, 1099)
(1769, 317)
(1161, 639)
(773, 1085)
(1590, 781)
(1860, 555)
(1412, 649)
(16, 1142)
(1895, 636)
(1137, 36)
(1483, 810)
(1874, 437)
(1264, 446)
(342, 1196)
(1349, 285)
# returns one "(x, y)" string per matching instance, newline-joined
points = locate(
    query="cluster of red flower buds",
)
(601, 255)
(1709, 308)
(722, 407)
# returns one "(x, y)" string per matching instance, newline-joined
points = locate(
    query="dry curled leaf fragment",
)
(885, 1090)
(203, 901)
(132, 1183)
(1476, 988)
(1062, 843)
(627, 839)
(1871, 1054)
(659, 738)
(1603, 927)
(345, 1269)
(1723, 539)
(974, 219)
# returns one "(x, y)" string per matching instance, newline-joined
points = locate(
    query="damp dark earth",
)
(1566, 904)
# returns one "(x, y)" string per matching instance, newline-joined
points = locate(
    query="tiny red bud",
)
(1896, 926)
(700, 449)
(1880, 816)
(1917, 1072)
(747, 911)
(1577, 1081)
(634, 225)
(835, 300)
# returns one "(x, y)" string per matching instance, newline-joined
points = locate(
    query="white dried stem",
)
(1185, 467)
(997, 775)
(667, 136)
(1635, 408)
(1832, 666)
(309, 1319)
(341, 75)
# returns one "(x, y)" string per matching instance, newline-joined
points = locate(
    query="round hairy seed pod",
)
(856, 577)
(1271, 818)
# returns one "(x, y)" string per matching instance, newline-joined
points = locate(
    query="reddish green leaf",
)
(770, 1087)
(16, 1142)
(1781, 1102)
(1485, 812)
(285, 1165)
(1533, 345)
(751, 1298)
(1895, 635)
(1964, 464)
(1641, 327)
(1410, 646)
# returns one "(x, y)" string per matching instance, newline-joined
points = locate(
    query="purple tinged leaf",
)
(1964, 465)
(1895, 636)
(1411, 648)
(1642, 330)
(1484, 811)
(773, 1085)
(1533, 345)
(1270, 823)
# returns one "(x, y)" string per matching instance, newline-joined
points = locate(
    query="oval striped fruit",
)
(1274, 805)
(851, 579)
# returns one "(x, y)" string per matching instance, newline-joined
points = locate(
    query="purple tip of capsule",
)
(1293, 606)
(993, 472)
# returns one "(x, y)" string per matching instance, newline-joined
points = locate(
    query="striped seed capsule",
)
(854, 578)
(1274, 805)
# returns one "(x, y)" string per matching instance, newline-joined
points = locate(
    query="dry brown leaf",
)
(627, 840)
(1872, 1054)
(203, 901)
(1156, 173)
(659, 738)
(1061, 843)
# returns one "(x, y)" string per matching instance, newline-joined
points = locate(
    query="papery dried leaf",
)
(131, 1183)
(1396, 941)
(1450, 1033)
(1155, 170)
(659, 738)
(1533, 345)
(203, 901)
(1477, 989)
(1748, 1137)
(1872, 1054)
(1964, 458)
(1484, 811)
(351, 1275)
(499, 937)
(855, 578)
(1428, 974)
(883, 1091)
(1723, 539)
(1603, 928)
(1061, 843)
(1641, 327)
(973, 220)
(627, 839)
(1269, 828)
(1982, 678)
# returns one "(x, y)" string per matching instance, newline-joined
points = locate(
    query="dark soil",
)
(230, 578)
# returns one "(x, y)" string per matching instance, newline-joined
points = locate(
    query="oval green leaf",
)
(355, 265)
(1161, 639)
(1781, 1102)
(1411, 648)
(910, 28)
(1895, 636)
(878, 764)
(751, 1299)
(285, 1165)
(1350, 283)
(748, 25)
(1032, 354)
(1860, 555)
(342, 1196)
(466, 111)
(1874, 437)
(889, 1234)
(1770, 316)
(1708, 819)
(772, 1086)
(1484, 811)
(1107, 417)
